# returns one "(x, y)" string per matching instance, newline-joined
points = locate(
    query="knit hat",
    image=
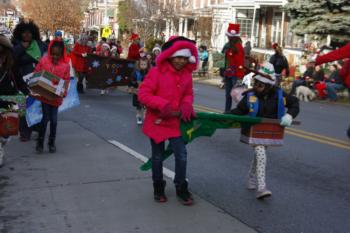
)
(58, 33)
(134, 36)
(233, 30)
(156, 48)
(266, 74)
(4, 41)
(178, 43)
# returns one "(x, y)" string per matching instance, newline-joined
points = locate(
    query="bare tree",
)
(65, 15)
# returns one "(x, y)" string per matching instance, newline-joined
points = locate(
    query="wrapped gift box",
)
(48, 85)
(9, 124)
(267, 134)
(20, 100)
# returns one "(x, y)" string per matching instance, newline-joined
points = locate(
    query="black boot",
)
(80, 88)
(159, 194)
(52, 146)
(182, 193)
(40, 145)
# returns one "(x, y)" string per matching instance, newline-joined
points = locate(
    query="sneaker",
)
(251, 183)
(263, 194)
(139, 120)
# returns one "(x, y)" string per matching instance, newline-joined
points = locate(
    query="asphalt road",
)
(309, 175)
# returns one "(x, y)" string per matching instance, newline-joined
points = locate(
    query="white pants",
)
(258, 167)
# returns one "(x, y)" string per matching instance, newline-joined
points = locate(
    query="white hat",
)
(266, 74)
(185, 53)
(156, 48)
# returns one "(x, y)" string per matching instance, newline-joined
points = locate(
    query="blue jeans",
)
(179, 148)
(331, 90)
(230, 82)
(49, 114)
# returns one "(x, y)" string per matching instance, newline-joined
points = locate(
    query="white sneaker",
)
(263, 194)
(139, 120)
(251, 183)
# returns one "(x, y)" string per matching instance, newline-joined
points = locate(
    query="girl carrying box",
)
(57, 63)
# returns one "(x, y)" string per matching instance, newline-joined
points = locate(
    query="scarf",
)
(34, 51)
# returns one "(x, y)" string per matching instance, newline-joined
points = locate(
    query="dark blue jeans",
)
(49, 114)
(230, 82)
(179, 148)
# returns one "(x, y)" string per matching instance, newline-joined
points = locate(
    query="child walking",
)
(142, 67)
(167, 92)
(266, 100)
(57, 63)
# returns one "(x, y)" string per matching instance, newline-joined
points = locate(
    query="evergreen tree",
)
(321, 18)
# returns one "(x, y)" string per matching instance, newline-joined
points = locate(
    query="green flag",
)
(205, 124)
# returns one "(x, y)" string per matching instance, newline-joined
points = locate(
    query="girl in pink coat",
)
(167, 92)
(57, 63)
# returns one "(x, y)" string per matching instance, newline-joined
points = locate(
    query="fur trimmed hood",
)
(174, 44)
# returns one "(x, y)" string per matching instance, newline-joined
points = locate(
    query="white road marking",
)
(168, 173)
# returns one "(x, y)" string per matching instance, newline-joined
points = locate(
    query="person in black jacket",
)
(279, 62)
(10, 82)
(28, 51)
(268, 101)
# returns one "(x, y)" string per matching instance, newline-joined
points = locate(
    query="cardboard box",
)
(48, 85)
(267, 134)
(9, 124)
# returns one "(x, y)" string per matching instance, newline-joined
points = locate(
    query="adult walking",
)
(234, 61)
(10, 82)
(28, 50)
(80, 63)
(279, 62)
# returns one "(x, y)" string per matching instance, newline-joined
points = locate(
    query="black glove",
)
(6, 104)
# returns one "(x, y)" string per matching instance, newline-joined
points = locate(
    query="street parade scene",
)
(152, 116)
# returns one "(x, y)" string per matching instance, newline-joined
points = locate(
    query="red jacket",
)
(80, 63)
(61, 70)
(164, 85)
(236, 60)
(338, 54)
(134, 52)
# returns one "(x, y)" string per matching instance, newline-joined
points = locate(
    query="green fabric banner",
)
(205, 124)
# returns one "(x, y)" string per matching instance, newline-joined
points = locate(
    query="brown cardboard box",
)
(267, 134)
(48, 85)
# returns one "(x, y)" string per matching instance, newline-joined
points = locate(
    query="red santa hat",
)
(134, 36)
(233, 30)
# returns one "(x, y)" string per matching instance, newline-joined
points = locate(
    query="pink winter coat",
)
(163, 85)
(61, 70)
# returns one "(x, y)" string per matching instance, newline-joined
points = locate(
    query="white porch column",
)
(282, 28)
(185, 32)
(172, 27)
(181, 25)
(252, 37)
(167, 29)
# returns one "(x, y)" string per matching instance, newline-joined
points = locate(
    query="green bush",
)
(218, 59)
(150, 43)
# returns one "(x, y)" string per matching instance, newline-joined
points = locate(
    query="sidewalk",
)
(90, 186)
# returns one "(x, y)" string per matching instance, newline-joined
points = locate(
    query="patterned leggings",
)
(258, 167)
